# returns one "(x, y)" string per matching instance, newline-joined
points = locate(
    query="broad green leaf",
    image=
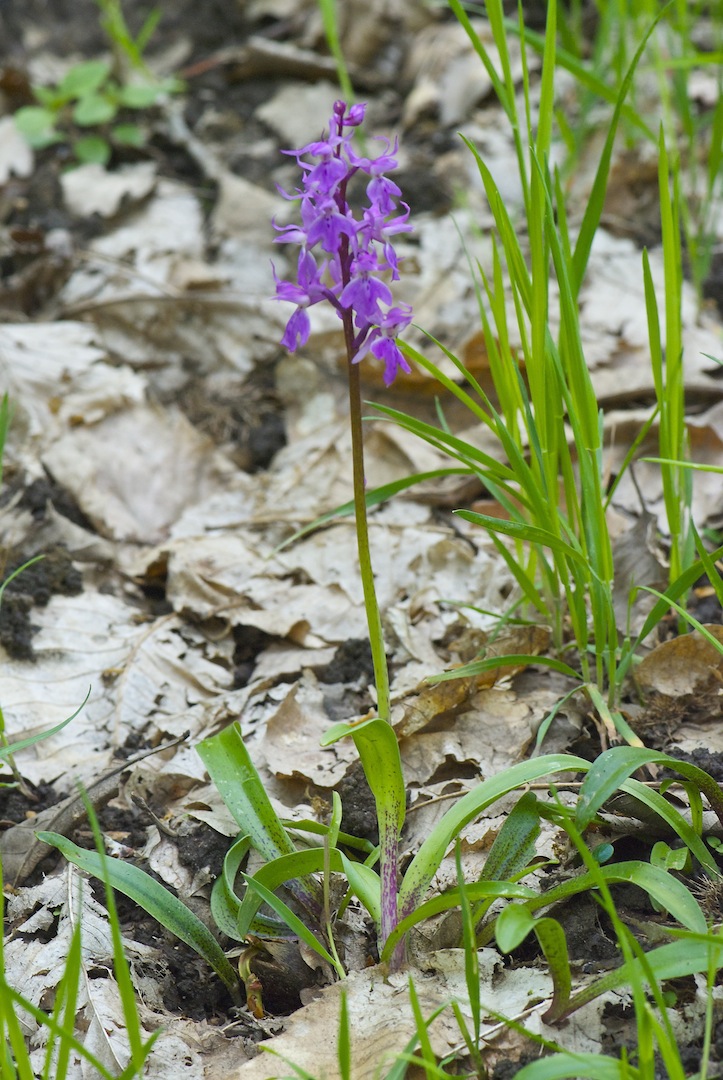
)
(138, 96)
(450, 898)
(128, 135)
(149, 894)
(84, 79)
(425, 863)
(233, 772)
(94, 109)
(581, 1066)
(92, 150)
(670, 893)
(613, 767)
(513, 925)
(37, 125)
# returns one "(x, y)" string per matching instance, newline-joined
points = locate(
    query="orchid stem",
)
(374, 621)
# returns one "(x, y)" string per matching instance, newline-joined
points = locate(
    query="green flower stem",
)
(374, 621)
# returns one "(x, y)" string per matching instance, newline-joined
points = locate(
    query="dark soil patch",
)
(53, 574)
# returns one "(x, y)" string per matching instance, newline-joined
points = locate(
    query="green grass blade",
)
(374, 497)
(479, 667)
(596, 199)
(160, 904)
(22, 744)
(292, 921)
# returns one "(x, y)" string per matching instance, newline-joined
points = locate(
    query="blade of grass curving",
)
(450, 444)
(667, 890)
(277, 872)
(293, 922)
(686, 616)
(596, 199)
(479, 667)
(23, 744)
(631, 452)
(674, 960)
(586, 78)
(160, 904)
(531, 534)
(681, 585)
(710, 568)
(374, 497)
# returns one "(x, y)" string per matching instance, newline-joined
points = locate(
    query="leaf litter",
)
(190, 617)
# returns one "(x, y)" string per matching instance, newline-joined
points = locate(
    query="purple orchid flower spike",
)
(357, 251)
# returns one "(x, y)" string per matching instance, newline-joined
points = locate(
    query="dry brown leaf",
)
(690, 668)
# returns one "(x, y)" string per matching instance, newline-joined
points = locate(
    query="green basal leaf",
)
(37, 125)
(427, 860)
(92, 150)
(287, 868)
(379, 751)
(138, 96)
(93, 110)
(128, 135)
(149, 894)
(364, 883)
(449, 899)
(514, 845)
(613, 767)
(234, 774)
(226, 905)
(83, 79)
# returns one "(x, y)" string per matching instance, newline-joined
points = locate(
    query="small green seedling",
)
(89, 99)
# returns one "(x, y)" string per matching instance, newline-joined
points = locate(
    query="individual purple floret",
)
(354, 253)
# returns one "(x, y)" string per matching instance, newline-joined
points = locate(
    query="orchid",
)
(358, 250)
